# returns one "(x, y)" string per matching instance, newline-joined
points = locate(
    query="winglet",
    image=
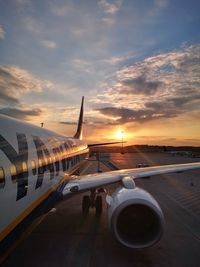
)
(78, 133)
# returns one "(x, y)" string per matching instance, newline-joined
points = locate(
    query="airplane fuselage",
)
(34, 162)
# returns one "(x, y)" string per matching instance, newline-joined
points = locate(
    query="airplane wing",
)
(87, 182)
(104, 144)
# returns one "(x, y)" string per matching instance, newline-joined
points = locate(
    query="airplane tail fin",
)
(78, 133)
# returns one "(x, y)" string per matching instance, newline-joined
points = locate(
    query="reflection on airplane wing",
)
(86, 182)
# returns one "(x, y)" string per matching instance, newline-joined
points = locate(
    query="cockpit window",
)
(2, 177)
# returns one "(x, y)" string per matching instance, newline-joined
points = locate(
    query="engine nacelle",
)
(135, 217)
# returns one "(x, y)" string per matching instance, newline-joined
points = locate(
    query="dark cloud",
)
(7, 99)
(124, 115)
(166, 107)
(2, 33)
(192, 139)
(177, 104)
(170, 139)
(68, 123)
(86, 121)
(7, 81)
(156, 105)
(140, 85)
(20, 113)
(184, 100)
(165, 85)
(15, 81)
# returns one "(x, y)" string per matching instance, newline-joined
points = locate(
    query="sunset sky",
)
(136, 62)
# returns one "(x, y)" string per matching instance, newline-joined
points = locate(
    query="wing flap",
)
(87, 182)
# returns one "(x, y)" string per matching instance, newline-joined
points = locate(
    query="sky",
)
(136, 62)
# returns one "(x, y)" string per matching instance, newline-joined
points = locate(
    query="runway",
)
(65, 238)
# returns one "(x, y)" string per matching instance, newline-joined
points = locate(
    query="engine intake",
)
(135, 218)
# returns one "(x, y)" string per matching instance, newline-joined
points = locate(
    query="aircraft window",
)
(40, 162)
(33, 166)
(50, 160)
(2, 177)
(13, 172)
(40, 169)
(68, 163)
(59, 155)
(56, 153)
(72, 162)
(66, 148)
(64, 153)
(46, 162)
(56, 157)
(61, 152)
(24, 166)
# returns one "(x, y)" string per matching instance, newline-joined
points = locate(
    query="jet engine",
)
(135, 217)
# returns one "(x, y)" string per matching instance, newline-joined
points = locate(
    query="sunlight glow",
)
(120, 134)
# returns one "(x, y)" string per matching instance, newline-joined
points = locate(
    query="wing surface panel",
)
(87, 182)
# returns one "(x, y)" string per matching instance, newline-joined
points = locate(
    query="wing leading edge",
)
(87, 182)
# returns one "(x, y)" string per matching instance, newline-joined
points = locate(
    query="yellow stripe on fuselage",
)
(24, 214)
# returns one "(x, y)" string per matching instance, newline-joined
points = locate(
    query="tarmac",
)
(65, 238)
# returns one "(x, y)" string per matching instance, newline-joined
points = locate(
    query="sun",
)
(120, 134)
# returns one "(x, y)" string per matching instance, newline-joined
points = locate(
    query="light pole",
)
(122, 135)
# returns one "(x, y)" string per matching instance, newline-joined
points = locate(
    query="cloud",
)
(60, 9)
(162, 86)
(140, 85)
(23, 114)
(15, 81)
(68, 122)
(80, 63)
(124, 115)
(174, 103)
(5, 98)
(110, 8)
(115, 60)
(158, 6)
(49, 44)
(192, 139)
(2, 33)
(33, 25)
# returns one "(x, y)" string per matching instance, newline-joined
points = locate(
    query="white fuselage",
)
(33, 163)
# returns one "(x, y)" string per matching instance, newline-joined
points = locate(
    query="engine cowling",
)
(135, 217)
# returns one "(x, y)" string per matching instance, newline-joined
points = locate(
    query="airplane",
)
(36, 167)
